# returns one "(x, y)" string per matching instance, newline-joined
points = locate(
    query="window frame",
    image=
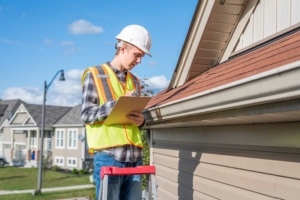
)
(72, 159)
(58, 140)
(60, 158)
(73, 138)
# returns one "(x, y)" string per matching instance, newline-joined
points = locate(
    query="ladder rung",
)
(127, 171)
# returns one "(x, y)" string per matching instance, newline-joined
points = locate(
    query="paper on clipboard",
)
(123, 107)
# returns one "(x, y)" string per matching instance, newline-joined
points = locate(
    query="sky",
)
(39, 38)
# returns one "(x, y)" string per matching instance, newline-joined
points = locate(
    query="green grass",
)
(50, 195)
(15, 178)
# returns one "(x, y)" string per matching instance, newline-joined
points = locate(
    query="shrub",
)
(74, 171)
(55, 168)
(82, 171)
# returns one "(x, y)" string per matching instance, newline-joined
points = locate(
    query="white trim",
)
(83, 144)
(239, 29)
(25, 129)
(72, 159)
(74, 131)
(5, 123)
(193, 41)
(190, 105)
(271, 72)
(69, 125)
(64, 138)
(28, 119)
(61, 158)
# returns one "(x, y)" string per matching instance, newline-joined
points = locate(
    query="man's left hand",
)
(136, 117)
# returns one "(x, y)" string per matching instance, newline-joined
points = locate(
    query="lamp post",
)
(46, 87)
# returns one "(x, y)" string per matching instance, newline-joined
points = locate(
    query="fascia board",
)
(277, 84)
(189, 52)
(243, 21)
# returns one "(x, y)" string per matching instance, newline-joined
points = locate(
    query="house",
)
(227, 127)
(64, 135)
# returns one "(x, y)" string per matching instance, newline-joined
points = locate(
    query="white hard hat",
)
(137, 36)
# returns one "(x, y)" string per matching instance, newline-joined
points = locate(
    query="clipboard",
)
(123, 106)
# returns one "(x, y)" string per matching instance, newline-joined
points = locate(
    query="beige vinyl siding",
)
(66, 152)
(268, 18)
(20, 118)
(260, 161)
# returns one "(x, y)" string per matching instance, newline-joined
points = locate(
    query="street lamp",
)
(46, 87)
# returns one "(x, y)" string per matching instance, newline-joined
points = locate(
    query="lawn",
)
(51, 195)
(15, 178)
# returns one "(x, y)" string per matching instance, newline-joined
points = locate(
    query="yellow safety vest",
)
(109, 88)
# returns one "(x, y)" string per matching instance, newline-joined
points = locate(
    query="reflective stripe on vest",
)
(109, 87)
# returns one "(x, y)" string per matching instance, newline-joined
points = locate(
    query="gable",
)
(219, 31)
(21, 117)
(209, 33)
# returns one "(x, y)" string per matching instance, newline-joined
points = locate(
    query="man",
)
(116, 145)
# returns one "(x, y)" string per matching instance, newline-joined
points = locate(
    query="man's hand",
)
(136, 117)
(129, 93)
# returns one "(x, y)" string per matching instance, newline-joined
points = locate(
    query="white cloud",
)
(82, 27)
(27, 94)
(68, 92)
(69, 45)
(157, 83)
(12, 42)
(152, 63)
(62, 93)
(48, 41)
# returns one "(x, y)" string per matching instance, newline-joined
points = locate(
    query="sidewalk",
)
(3, 192)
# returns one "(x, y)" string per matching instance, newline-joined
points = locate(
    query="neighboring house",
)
(69, 143)
(7, 109)
(20, 133)
(227, 127)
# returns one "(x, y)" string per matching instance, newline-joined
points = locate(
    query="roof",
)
(2, 109)
(208, 37)
(72, 117)
(275, 54)
(8, 107)
(53, 113)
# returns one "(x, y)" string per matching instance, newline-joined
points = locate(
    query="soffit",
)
(215, 35)
(220, 25)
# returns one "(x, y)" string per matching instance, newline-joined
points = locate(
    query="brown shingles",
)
(283, 51)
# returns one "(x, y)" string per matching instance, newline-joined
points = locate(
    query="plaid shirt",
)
(92, 112)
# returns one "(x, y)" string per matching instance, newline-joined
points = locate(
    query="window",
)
(59, 161)
(33, 141)
(49, 140)
(72, 162)
(72, 139)
(49, 144)
(60, 138)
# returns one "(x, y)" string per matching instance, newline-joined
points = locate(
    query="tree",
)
(146, 159)
(144, 85)
(47, 161)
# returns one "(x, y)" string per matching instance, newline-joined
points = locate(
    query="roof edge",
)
(233, 94)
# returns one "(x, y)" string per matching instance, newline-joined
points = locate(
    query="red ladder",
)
(114, 171)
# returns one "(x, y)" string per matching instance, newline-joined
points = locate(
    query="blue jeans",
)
(119, 187)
